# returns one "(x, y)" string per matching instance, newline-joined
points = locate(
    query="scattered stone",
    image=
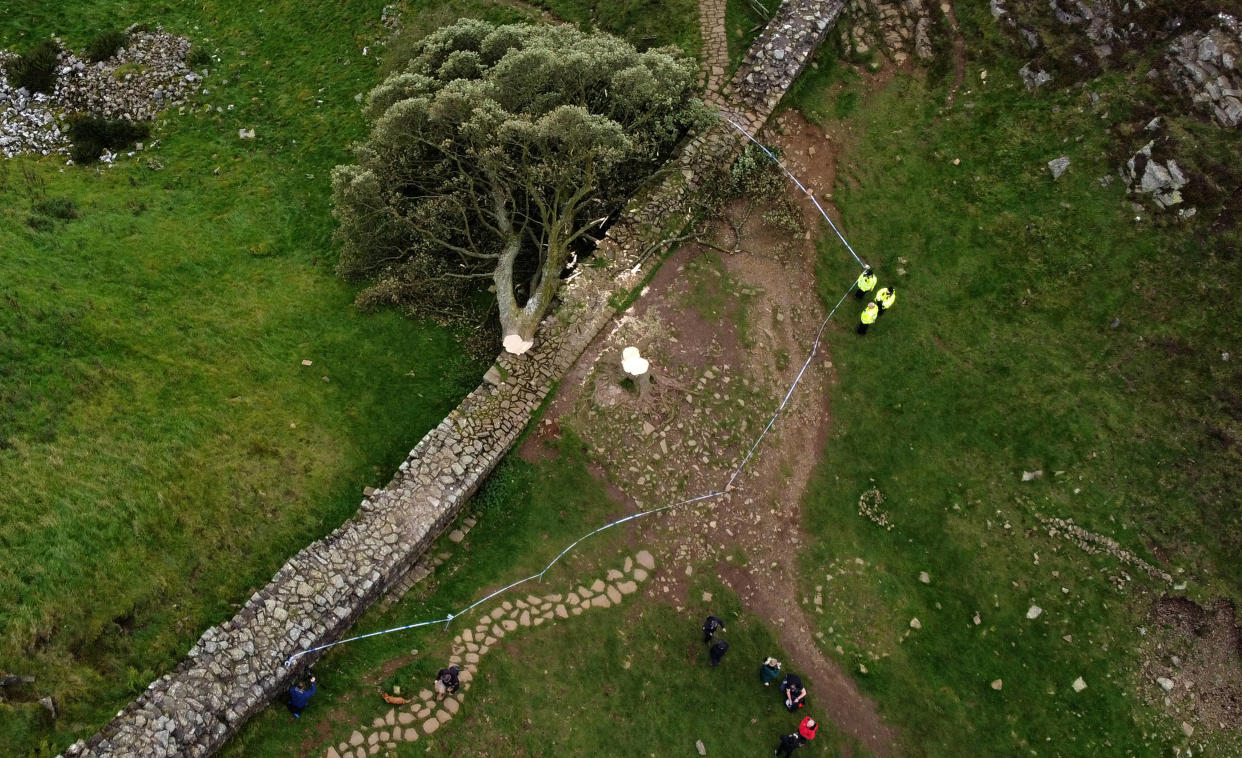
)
(1034, 612)
(245, 133)
(1058, 166)
(707, 597)
(1079, 684)
(997, 684)
(915, 623)
(1187, 729)
(924, 577)
(1034, 79)
(699, 746)
(1028, 476)
(1165, 683)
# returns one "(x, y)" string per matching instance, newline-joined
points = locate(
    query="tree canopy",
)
(493, 152)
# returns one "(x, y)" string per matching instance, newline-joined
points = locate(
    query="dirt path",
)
(726, 334)
(959, 52)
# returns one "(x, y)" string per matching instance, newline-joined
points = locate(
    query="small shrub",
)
(91, 135)
(197, 58)
(36, 70)
(57, 207)
(105, 45)
(41, 223)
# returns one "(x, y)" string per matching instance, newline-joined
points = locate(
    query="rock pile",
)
(902, 29)
(27, 121)
(146, 76)
(1203, 66)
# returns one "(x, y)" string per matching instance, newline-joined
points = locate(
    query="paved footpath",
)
(426, 714)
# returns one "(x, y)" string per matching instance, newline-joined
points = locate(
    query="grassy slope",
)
(646, 23)
(163, 448)
(1039, 326)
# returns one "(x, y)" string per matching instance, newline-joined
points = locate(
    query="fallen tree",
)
(494, 152)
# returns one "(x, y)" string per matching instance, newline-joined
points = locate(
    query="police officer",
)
(866, 283)
(886, 297)
(868, 317)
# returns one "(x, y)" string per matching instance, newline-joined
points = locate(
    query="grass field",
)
(162, 449)
(645, 23)
(1042, 326)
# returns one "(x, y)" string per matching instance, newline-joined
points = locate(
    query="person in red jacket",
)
(807, 729)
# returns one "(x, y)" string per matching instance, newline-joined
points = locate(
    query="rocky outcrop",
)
(238, 667)
(1162, 180)
(1204, 67)
(901, 29)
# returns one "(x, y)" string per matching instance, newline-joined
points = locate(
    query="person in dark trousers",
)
(300, 695)
(710, 627)
(718, 651)
(794, 692)
(448, 681)
(885, 298)
(866, 283)
(789, 743)
(868, 317)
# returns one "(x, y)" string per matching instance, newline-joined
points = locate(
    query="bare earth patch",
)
(1192, 664)
(726, 335)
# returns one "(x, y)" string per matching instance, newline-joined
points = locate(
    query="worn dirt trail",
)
(717, 371)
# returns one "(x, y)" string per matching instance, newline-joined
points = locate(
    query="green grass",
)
(162, 449)
(630, 680)
(744, 20)
(1039, 326)
(645, 23)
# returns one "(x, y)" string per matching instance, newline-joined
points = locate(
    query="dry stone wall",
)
(237, 668)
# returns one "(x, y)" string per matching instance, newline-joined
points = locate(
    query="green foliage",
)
(105, 45)
(47, 211)
(59, 207)
(495, 150)
(35, 70)
(744, 20)
(91, 135)
(198, 57)
(646, 24)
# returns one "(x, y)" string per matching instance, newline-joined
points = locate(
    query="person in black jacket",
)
(447, 681)
(710, 627)
(794, 692)
(789, 743)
